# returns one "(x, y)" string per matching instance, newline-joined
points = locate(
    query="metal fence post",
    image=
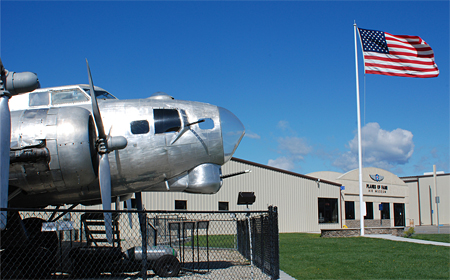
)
(275, 256)
(143, 222)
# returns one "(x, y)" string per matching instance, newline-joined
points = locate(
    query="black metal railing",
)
(264, 236)
(72, 244)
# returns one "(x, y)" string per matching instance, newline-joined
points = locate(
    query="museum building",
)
(319, 200)
(385, 195)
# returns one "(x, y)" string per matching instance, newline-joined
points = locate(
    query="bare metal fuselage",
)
(54, 160)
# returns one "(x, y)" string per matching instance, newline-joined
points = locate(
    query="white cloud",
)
(252, 135)
(283, 125)
(295, 146)
(294, 150)
(282, 163)
(381, 148)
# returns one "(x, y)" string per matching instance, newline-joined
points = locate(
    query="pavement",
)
(432, 229)
(403, 239)
(285, 276)
(443, 229)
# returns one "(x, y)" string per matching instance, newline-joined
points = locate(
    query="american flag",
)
(397, 55)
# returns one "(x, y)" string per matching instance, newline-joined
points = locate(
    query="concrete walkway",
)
(403, 239)
(285, 276)
(432, 229)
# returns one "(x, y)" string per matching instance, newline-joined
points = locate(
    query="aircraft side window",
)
(68, 96)
(39, 98)
(166, 120)
(140, 127)
(207, 124)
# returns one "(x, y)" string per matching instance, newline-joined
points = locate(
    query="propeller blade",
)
(5, 138)
(11, 84)
(1, 67)
(104, 175)
(104, 170)
(130, 216)
(95, 110)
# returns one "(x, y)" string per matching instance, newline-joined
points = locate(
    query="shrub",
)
(408, 233)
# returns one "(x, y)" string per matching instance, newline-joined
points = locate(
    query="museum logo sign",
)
(374, 188)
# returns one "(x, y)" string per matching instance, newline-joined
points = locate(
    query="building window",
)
(223, 206)
(166, 120)
(369, 211)
(139, 127)
(349, 210)
(385, 213)
(328, 210)
(180, 205)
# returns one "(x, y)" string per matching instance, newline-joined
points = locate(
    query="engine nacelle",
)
(204, 179)
(66, 136)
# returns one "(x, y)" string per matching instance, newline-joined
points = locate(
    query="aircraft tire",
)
(167, 266)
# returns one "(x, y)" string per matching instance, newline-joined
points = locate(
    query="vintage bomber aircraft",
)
(62, 150)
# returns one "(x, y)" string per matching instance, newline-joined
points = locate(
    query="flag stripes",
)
(397, 55)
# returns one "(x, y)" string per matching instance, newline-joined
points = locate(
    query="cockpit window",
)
(166, 120)
(100, 94)
(140, 127)
(39, 98)
(73, 95)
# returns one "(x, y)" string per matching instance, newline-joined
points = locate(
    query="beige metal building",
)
(423, 209)
(385, 195)
(305, 204)
(319, 200)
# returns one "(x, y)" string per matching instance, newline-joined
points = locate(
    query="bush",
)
(409, 232)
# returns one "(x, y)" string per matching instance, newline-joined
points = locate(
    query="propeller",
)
(105, 145)
(11, 84)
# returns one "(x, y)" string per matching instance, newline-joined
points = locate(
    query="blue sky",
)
(286, 69)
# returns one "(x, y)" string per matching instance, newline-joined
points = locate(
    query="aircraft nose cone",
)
(232, 132)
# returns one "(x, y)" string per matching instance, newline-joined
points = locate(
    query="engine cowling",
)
(58, 143)
(205, 179)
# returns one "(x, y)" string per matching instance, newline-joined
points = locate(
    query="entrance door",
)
(399, 214)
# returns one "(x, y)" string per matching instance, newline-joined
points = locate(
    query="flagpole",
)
(361, 200)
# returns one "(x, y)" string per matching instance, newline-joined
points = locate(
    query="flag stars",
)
(373, 41)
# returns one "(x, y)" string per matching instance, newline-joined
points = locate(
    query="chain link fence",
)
(263, 237)
(73, 244)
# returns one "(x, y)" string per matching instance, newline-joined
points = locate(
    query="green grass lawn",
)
(433, 237)
(308, 256)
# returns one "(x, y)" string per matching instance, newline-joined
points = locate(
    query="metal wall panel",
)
(296, 197)
(421, 188)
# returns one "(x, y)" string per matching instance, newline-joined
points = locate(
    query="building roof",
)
(285, 171)
(407, 179)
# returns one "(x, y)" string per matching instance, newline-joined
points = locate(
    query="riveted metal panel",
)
(53, 150)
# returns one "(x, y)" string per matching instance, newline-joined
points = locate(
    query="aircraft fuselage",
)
(171, 145)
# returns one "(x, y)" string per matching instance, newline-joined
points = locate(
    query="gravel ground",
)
(233, 272)
(224, 264)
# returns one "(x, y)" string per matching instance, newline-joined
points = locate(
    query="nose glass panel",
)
(232, 132)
